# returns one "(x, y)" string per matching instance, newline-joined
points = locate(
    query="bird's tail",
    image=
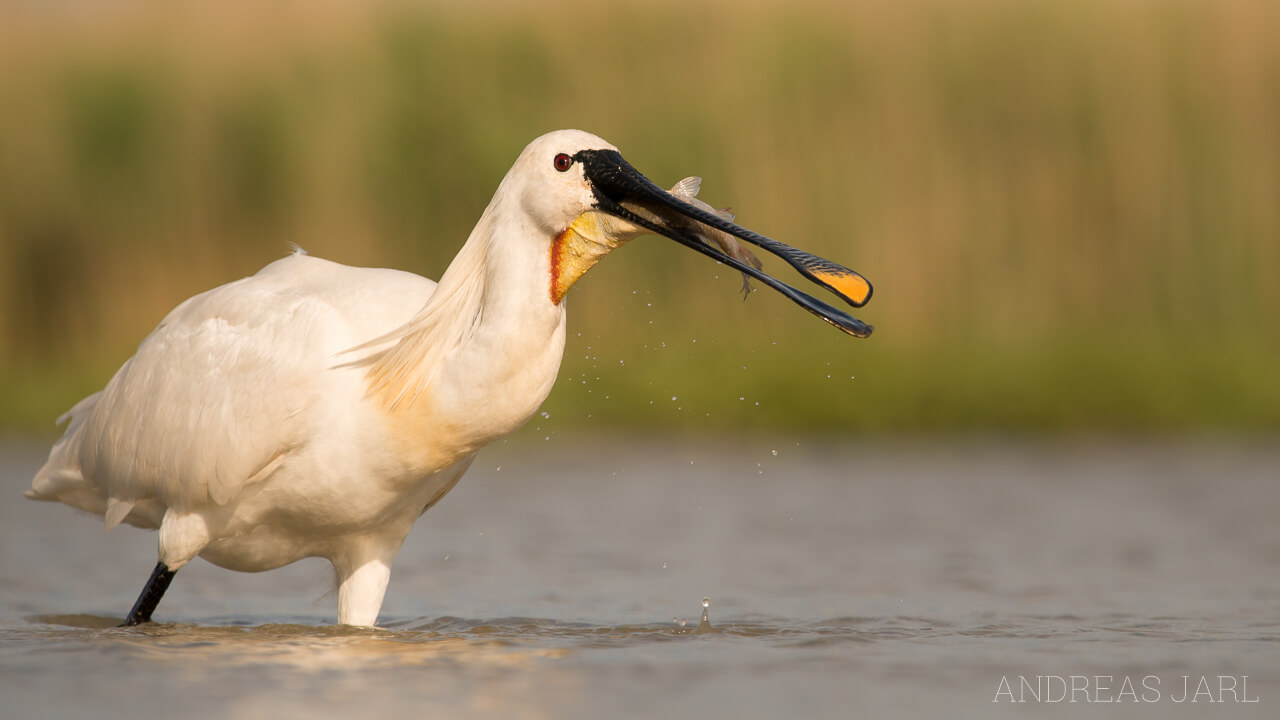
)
(61, 480)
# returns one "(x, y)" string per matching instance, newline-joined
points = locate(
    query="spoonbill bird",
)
(316, 410)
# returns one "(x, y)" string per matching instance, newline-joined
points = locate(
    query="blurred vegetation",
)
(1070, 210)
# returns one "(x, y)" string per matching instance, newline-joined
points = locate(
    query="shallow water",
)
(565, 579)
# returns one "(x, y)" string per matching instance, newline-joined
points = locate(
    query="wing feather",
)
(220, 395)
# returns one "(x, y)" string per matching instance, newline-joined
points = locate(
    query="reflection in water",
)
(307, 647)
(498, 641)
(511, 641)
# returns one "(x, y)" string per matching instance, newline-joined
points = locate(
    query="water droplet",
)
(673, 398)
(664, 566)
(446, 557)
(704, 625)
(683, 622)
(775, 453)
(546, 414)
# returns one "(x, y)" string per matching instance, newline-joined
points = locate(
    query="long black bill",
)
(617, 185)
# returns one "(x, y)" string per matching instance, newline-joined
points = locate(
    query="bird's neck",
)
(482, 355)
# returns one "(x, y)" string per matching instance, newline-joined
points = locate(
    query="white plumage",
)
(291, 414)
(316, 410)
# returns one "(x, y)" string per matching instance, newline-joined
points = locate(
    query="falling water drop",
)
(704, 625)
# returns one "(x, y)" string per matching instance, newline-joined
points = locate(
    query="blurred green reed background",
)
(1070, 210)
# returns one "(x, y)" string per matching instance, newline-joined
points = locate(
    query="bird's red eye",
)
(563, 162)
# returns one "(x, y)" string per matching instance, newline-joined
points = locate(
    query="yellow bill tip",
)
(848, 284)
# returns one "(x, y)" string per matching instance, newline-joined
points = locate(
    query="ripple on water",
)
(422, 641)
(478, 632)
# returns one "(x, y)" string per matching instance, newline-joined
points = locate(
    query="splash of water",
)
(704, 625)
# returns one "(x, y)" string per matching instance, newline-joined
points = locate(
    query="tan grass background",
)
(1070, 210)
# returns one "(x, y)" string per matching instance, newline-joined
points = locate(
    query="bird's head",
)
(583, 194)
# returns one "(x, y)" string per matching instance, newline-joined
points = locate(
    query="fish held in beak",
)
(687, 190)
(623, 192)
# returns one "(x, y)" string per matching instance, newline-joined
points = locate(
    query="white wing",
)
(221, 393)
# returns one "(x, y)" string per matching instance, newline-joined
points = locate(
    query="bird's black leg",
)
(151, 594)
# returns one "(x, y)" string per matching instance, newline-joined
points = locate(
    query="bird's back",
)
(224, 390)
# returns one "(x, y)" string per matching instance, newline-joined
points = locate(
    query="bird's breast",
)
(485, 391)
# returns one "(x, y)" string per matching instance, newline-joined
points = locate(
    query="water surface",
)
(565, 579)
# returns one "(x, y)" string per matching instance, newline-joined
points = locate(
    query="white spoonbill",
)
(316, 410)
